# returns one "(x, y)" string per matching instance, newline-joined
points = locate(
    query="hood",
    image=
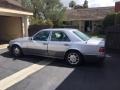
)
(96, 41)
(21, 39)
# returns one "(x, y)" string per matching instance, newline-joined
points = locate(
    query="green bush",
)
(49, 23)
(111, 20)
(36, 21)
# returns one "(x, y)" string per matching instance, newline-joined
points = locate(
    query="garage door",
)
(10, 28)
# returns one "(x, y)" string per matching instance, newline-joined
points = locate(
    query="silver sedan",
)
(69, 44)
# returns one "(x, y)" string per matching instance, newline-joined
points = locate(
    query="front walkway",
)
(3, 46)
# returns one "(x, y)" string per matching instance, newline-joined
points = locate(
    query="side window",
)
(42, 36)
(59, 36)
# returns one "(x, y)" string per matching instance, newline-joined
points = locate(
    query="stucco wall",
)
(10, 28)
(80, 24)
(95, 25)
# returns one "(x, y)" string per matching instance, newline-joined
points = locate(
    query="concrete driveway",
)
(38, 73)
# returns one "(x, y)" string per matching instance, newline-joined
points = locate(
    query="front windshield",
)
(81, 35)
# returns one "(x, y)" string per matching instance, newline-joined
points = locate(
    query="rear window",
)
(81, 35)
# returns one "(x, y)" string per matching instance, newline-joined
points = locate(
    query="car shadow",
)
(56, 62)
(89, 76)
(94, 77)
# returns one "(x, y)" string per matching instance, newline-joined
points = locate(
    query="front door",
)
(39, 44)
(58, 44)
(88, 26)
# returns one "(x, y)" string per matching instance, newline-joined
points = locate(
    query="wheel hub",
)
(73, 58)
(16, 51)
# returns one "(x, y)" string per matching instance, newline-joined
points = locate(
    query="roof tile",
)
(6, 4)
(97, 13)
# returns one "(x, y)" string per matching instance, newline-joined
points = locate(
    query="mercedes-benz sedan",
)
(69, 44)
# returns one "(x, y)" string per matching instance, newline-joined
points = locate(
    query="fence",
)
(35, 28)
(113, 39)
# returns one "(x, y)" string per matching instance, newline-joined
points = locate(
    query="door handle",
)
(45, 43)
(66, 45)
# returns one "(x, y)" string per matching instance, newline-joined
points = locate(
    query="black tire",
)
(16, 51)
(73, 58)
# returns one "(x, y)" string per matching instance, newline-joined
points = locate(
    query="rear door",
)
(59, 43)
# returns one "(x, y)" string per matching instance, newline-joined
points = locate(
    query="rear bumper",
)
(93, 58)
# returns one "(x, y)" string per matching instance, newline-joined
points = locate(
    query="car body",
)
(57, 43)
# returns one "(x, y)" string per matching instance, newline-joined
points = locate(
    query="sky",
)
(92, 3)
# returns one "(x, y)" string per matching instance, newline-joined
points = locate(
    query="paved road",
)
(59, 76)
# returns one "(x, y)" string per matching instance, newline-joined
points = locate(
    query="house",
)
(14, 20)
(87, 19)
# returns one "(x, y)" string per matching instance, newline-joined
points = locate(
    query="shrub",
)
(112, 19)
(41, 22)
(109, 20)
(48, 22)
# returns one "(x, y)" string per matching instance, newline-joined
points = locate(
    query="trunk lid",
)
(96, 41)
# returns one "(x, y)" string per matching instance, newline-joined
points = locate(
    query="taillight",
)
(102, 50)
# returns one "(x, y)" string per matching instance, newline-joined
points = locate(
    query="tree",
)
(46, 10)
(78, 7)
(27, 4)
(109, 20)
(85, 5)
(72, 4)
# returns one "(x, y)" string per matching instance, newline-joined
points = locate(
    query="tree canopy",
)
(112, 19)
(85, 5)
(46, 9)
(72, 4)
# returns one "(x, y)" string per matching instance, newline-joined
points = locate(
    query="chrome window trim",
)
(39, 32)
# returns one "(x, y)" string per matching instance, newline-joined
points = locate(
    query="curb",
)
(4, 46)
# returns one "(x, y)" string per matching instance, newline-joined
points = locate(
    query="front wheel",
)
(16, 51)
(73, 58)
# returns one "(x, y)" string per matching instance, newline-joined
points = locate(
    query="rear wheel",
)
(73, 58)
(16, 51)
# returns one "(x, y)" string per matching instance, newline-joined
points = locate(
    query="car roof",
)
(56, 29)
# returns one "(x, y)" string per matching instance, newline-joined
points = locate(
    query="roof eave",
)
(13, 11)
